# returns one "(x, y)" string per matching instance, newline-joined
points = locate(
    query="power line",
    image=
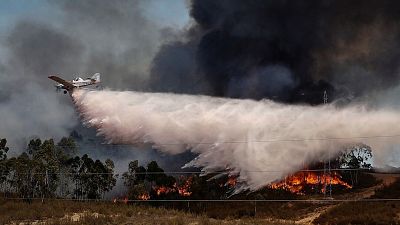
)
(210, 200)
(211, 172)
(262, 141)
(236, 142)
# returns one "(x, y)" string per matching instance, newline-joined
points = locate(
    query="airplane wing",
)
(84, 85)
(68, 85)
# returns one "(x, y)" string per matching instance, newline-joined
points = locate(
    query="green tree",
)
(356, 157)
(65, 150)
(136, 174)
(67, 146)
(92, 178)
(4, 169)
(88, 188)
(134, 179)
(74, 165)
(48, 170)
(154, 172)
(157, 178)
(110, 178)
(21, 179)
(46, 166)
(3, 149)
(36, 173)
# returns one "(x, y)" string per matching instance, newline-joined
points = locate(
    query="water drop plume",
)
(245, 136)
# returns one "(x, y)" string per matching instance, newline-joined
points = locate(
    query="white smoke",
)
(244, 135)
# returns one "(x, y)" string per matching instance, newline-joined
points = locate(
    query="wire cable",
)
(211, 172)
(235, 142)
(211, 200)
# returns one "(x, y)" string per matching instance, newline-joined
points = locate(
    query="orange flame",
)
(182, 190)
(163, 190)
(144, 196)
(231, 181)
(298, 181)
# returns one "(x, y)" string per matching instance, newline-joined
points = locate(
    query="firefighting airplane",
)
(78, 82)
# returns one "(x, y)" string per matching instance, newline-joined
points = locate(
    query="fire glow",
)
(297, 182)
(144, 196)
(231, 181)
(182, 189)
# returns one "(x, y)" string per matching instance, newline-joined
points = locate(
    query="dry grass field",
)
(67, 212)
(227, 213)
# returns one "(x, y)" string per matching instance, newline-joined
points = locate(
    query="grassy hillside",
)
(368, 212)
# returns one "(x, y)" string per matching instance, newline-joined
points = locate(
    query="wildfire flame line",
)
(182, 190)
(297, 182)
(144, 196)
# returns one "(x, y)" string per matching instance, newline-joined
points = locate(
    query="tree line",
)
(55, 170)
(47, 170)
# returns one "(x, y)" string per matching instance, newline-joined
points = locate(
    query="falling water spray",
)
(261, 141)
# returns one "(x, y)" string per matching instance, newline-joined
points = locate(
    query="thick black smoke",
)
(290, 51)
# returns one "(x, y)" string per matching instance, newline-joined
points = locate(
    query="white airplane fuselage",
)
(78, 82)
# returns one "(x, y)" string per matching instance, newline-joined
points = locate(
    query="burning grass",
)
(181, 187)
(304, 182)
(300, 181)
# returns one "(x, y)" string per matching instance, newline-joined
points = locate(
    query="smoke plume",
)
(286, 51)
(245, 136)
(29, 106)
(292, 51)
(84, 37)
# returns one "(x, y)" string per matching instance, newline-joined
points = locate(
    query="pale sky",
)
(164, 12)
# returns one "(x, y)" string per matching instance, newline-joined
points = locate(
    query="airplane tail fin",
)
(96, 77)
